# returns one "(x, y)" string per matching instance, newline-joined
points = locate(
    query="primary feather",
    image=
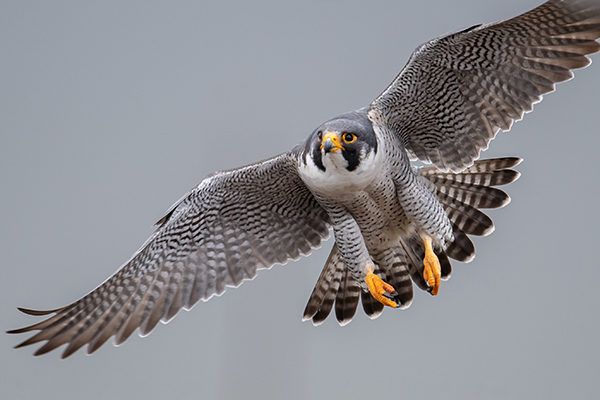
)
(453, 96)
(233, 224)
(458, 91)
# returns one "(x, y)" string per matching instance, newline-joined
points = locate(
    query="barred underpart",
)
(447, 104)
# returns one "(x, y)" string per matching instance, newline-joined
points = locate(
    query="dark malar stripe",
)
(352, 157)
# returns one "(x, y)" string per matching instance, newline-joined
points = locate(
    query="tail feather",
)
(445, 265)
(486, 165)
(413, 249)
(466, 218)
(324, 293)
(336, 286)
(394, 270)
(328, 301)
(371, 307)
(346, 301)
(464, 193)
(497, 178)
(399, 277)
(474, 195)
(461, 248)
(494, 164)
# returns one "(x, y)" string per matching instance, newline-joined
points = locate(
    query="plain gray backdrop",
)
(110, 110)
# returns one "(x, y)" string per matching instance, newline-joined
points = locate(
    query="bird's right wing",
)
(233, 224)
(458, 91)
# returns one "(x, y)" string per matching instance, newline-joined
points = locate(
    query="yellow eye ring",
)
(349, 138)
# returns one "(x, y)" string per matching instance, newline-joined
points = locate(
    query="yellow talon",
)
(378, 288)
(432, 272)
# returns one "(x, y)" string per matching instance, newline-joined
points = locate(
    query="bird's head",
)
(344, 142)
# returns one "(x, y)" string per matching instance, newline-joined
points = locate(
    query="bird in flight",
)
(396, 222)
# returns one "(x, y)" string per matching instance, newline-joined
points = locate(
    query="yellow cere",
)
(334, 138)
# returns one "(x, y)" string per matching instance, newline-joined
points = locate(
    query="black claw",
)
(393, 296)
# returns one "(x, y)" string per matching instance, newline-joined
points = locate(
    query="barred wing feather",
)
(458, 91)
(233, 224)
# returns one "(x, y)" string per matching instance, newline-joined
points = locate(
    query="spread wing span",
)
(458, 91)
(233, 224)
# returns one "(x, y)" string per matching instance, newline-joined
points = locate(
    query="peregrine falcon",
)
(399, 183)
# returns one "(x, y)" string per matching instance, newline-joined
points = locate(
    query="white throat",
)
(336, 181)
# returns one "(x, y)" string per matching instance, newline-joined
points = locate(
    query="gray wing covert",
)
(233, 224)
(458, 91)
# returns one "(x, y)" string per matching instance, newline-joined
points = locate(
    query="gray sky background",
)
(110, 110)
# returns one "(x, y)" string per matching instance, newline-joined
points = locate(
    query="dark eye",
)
(349, 138)
(320, 135)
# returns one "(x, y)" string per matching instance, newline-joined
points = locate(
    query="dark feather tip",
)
(32, 340)
(511, 162)
(17, 331)
(35, 313)
(68, 352)
(22, 344)
(46, 348)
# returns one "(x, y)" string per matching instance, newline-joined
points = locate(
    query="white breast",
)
(336, 181)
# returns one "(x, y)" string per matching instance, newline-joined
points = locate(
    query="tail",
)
(462, 195)
(336, 285)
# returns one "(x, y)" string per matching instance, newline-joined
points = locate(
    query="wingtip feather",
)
(36, 313)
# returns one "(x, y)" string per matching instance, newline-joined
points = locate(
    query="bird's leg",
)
(432, 271)
(379, 289)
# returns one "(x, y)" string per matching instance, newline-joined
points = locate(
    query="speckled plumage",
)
(454, 95)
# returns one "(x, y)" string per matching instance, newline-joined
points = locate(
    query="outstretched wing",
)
(457, 92)
(233, 224)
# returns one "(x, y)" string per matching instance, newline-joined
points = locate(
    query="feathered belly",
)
(379, 215)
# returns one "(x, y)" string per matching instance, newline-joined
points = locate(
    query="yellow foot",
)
(432, 271)
(379, 288)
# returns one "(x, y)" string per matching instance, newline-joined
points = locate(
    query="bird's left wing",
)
(458, 91)
(233, 224)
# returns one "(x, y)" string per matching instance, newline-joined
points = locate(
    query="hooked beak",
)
(331, 142)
